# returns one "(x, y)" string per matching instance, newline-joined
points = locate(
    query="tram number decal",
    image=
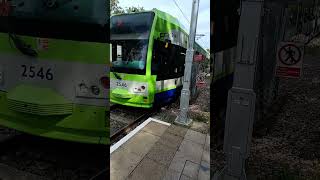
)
(33, 72)
(122, 84)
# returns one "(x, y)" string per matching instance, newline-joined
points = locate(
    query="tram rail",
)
(129, 119)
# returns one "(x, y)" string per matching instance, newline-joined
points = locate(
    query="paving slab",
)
(177, 130)
(206, 155)
(172, 175)
(122, 163)
(204, 171)
(9, 173)
(207, 144)
(177, 164)
(161, 154)
(195, 137)
(191, 170)
(171, 140)
(184, 177)
(147, 170)
(191, 151)
(141, 143)
(155, 128)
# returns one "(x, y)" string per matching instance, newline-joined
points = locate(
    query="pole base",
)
(185, 124)
(223, 175)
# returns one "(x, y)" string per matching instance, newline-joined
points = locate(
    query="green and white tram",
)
(148, 56)
(53, 70)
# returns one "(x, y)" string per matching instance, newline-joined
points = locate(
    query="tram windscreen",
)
(131, 26)
(130, 37)
(129, 56)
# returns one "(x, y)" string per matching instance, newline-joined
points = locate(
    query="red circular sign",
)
(289, 54)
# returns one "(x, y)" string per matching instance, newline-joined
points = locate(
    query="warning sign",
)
(289, 59)
(198, 58)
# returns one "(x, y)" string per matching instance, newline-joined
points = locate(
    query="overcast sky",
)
(170, 7)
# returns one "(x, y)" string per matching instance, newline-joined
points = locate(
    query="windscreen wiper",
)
(53, 4)
(24, 48)
(115, 74)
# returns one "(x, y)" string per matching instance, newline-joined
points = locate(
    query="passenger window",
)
(168, 60)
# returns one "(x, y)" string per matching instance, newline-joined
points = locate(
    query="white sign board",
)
(289, 59)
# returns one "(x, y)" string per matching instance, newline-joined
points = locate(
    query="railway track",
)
(125, 119)
(51, 159)
(7, 134)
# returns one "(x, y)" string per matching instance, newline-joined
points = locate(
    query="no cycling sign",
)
(289, 59)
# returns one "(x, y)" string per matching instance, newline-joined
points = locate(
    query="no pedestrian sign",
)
(289, 59)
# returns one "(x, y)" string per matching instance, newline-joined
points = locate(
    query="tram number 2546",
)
(37, 72)
(122, 84)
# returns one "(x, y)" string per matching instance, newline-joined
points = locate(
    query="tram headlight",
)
(83, 88)
(95, 90)
(140, 89)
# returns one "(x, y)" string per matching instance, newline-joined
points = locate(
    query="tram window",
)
(168, 60)
(160, 60)
(129, 56)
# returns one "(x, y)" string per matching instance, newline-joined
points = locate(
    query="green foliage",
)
(134, 9)
(207, 61)
(116, 9)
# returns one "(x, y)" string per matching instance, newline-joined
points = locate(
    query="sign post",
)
(289, 60)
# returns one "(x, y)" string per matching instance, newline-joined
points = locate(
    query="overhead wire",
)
(177, 5)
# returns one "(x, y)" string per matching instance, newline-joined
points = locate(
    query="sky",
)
(170, 7)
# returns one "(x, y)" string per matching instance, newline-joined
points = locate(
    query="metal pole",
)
(242, 98)
(183, 119)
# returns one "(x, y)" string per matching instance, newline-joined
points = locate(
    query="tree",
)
(134, 9)
(116, 9)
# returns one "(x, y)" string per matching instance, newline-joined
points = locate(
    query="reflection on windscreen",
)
(129, 36)
(129, 54)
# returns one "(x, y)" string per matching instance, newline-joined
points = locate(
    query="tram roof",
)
(168, 17)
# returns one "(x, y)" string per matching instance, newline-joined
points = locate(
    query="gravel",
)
(199, 110)
(52, 159)
(291, 144)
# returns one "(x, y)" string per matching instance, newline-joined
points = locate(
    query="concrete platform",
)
(160, 151)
